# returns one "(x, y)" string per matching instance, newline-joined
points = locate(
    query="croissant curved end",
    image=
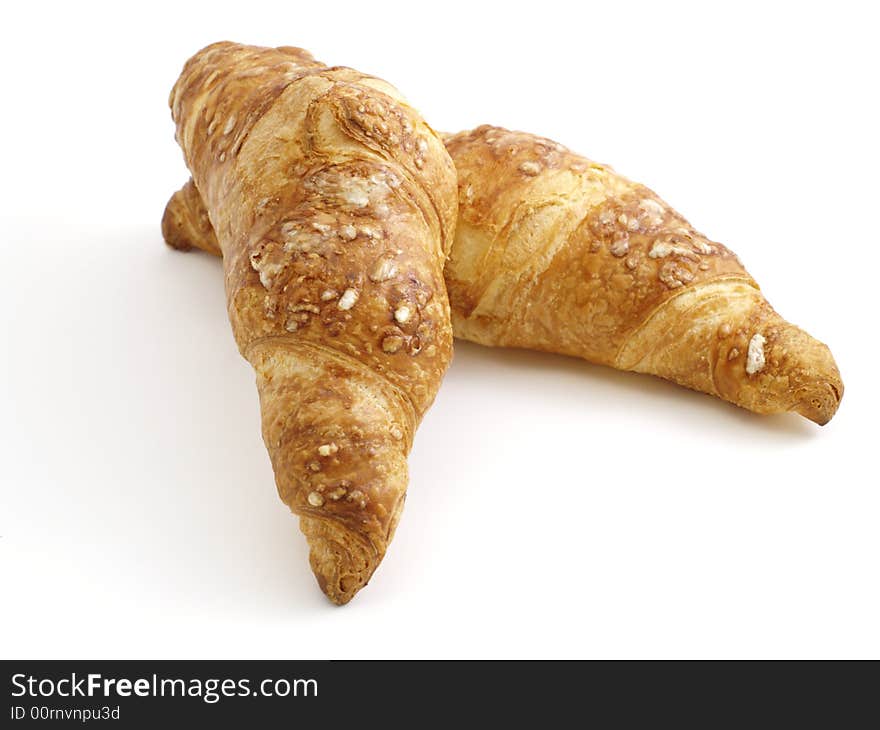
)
(341, 560)
(820, 385)
(174, 228)
(792, 372)
(820, 402)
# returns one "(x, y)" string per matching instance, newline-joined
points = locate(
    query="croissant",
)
(555, 252)
(333, 205)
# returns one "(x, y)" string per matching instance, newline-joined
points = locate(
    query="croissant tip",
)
(821, 402)
(340, 560)
(339, 581)
(336, 598)
(173, 227)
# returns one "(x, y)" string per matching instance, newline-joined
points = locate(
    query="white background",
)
(556, 509)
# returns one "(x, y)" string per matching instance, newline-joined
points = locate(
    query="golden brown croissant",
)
(555, 252)
(333, 205)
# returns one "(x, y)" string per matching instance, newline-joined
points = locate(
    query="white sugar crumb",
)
(315, 499)
(402, 314)
(392, 344)
(530, 168)
(396, 433)
(335, 494)
(348, 232)
(755, 358)
(267, 269)
(651, 205)
(360, 192)
(661, 249)
(674, 275)
(348, 299)
(230, 125)
(620, 246)
(356, 196)
(384, 270)
(328, 449)
(652, 212)
(328, 294)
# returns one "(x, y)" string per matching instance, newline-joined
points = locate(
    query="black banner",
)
(268, 693)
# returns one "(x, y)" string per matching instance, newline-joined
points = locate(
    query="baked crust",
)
(333, 205)
(556, 252)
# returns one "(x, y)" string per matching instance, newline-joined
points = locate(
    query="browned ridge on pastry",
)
(333, 206)
(555, 252)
